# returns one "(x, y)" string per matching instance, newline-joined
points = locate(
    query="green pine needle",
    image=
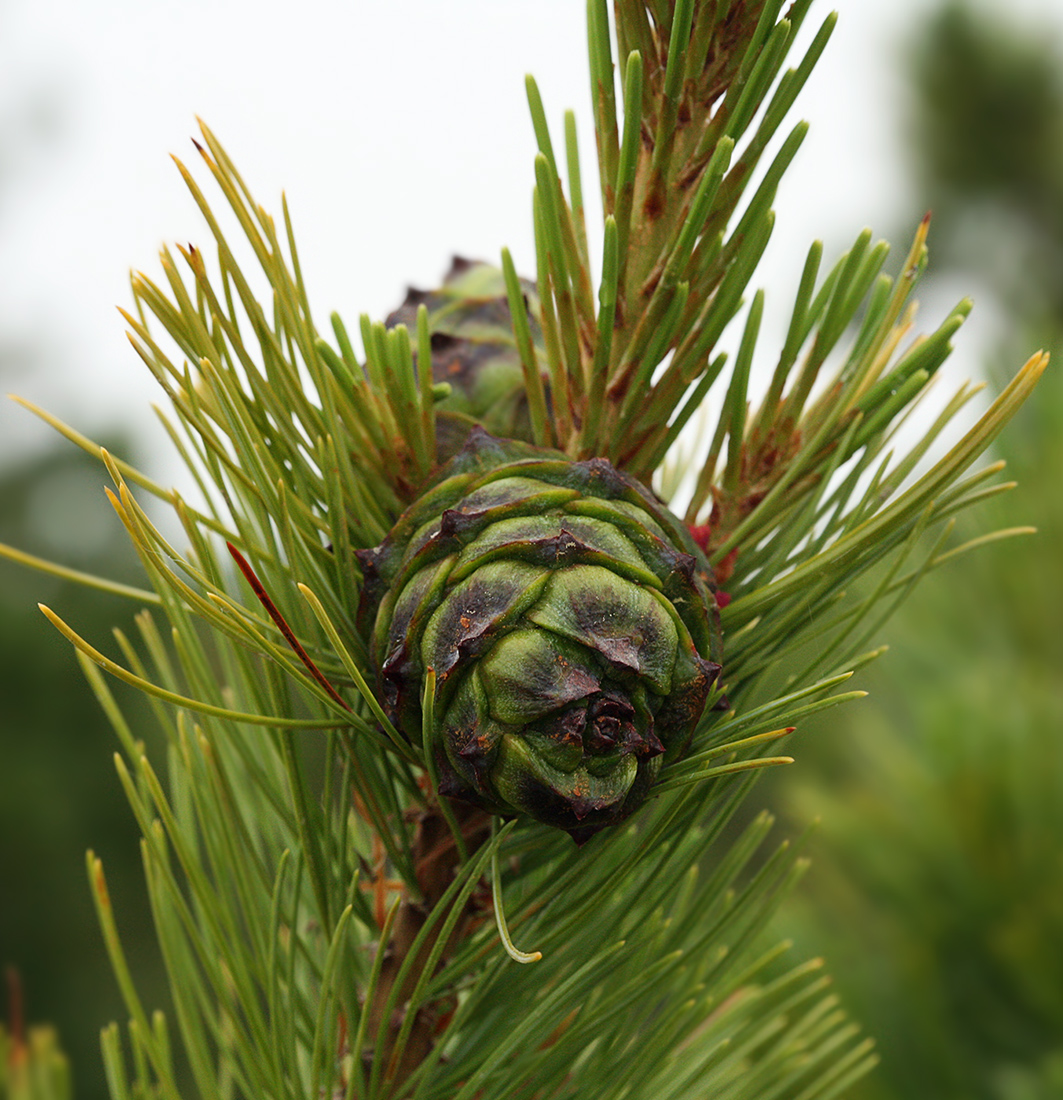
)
(289, 851)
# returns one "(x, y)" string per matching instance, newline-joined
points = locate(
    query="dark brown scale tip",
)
(558, 550)
(682, 568)
(394, 675)
(451, 785)
(373, 587)
(620, 652)
(611, 723)
(367, 560)
(453, 524)
(546, 805)
(603, 478)
(565, 546)
(584, 806)
(414, 298)
(459, 265)
(570, 734)
(686, 565)
(478, 751)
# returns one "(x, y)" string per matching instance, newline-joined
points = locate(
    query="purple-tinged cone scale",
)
(570, 621)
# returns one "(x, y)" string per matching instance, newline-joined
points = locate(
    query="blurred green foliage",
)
(937, 886)
(985, 119)
(32, 1064)
(59, 792)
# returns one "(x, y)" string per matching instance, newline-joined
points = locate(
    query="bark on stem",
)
(436, 860)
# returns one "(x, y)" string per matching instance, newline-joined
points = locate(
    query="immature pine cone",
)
(571, 624)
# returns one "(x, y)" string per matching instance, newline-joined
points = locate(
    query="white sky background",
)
(400, 134)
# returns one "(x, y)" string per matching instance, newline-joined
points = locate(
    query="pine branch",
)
(316, 856)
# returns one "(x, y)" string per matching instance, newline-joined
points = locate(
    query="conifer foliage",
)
(336, 924)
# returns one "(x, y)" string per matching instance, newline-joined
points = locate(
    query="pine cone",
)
(473, 350)
(571, 624)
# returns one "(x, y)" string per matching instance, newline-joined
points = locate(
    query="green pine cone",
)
(475, 353)
(571, 624)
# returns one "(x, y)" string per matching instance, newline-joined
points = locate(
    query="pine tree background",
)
(913, 987)
(938, 872)
(57, 781)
